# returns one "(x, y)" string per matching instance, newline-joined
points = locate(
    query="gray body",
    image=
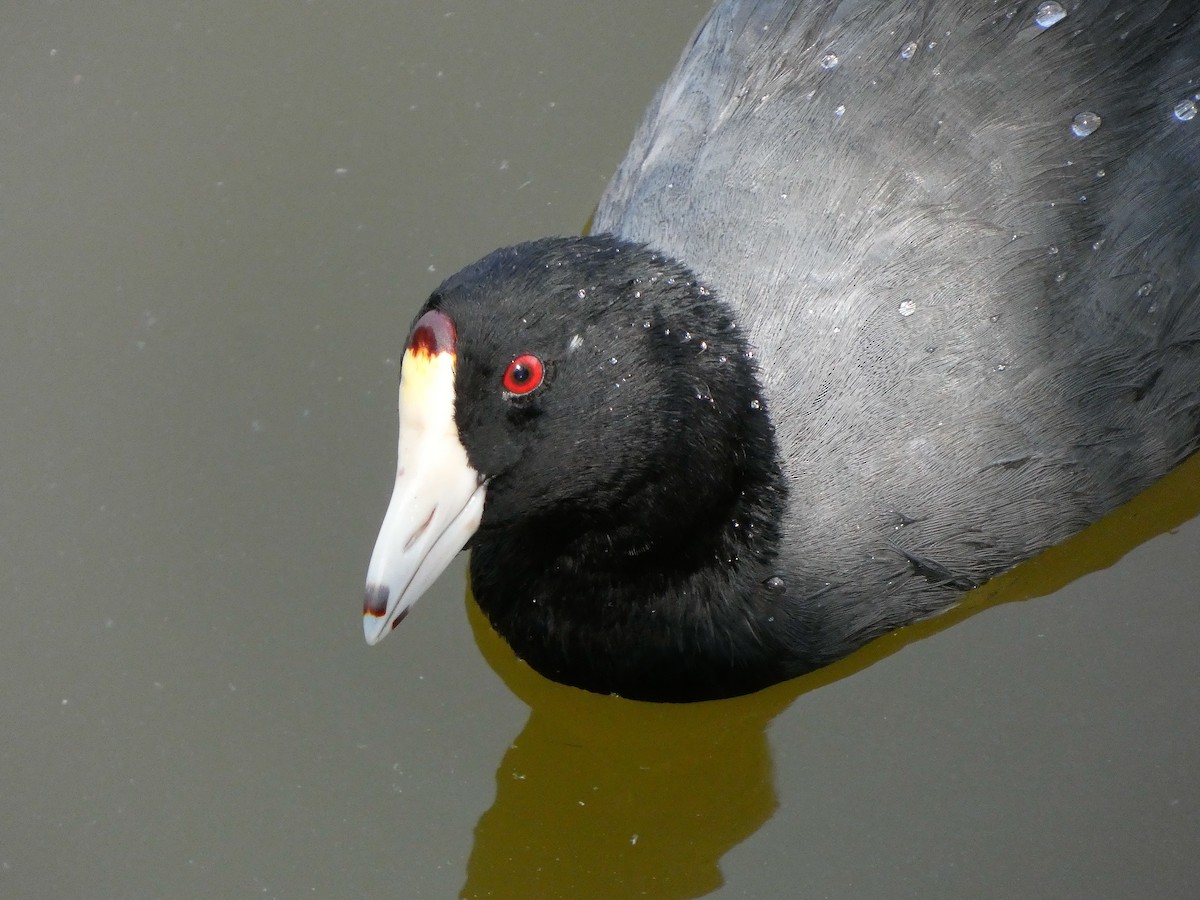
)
(977, 332)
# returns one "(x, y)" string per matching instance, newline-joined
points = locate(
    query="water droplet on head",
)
(1186, 111)
(582, 293)
(1084, 124)
(775, 585)
(1060, 277)
(829, 61)
(907, 307)
(612, 360)
(1145, 289)
(909, 50)
(1053, 250)
(1049, 13)
(755, 404)
(840, 111)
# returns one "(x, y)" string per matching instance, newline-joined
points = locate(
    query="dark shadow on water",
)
(604, 797)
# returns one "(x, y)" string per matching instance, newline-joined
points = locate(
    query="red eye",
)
(523, 374)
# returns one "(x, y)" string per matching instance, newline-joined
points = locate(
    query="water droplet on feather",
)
(1049, 13)
(1084, 124)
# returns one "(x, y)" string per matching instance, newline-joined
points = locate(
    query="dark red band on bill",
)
(433, 333)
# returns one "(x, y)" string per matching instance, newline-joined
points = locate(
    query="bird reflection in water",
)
(606, 797)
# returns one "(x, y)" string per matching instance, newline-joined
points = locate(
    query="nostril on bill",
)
(420, 531)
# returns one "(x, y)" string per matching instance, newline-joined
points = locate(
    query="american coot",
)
(886, 297)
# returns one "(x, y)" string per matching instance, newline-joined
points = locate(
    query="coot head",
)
(586, 413)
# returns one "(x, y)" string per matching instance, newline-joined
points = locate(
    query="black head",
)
(590, 413)
(592, 374)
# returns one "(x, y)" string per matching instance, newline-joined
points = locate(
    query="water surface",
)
(219, 219)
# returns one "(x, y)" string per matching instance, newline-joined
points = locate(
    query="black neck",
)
(604, 594)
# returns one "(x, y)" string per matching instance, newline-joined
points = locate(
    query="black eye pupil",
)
(520, 373)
